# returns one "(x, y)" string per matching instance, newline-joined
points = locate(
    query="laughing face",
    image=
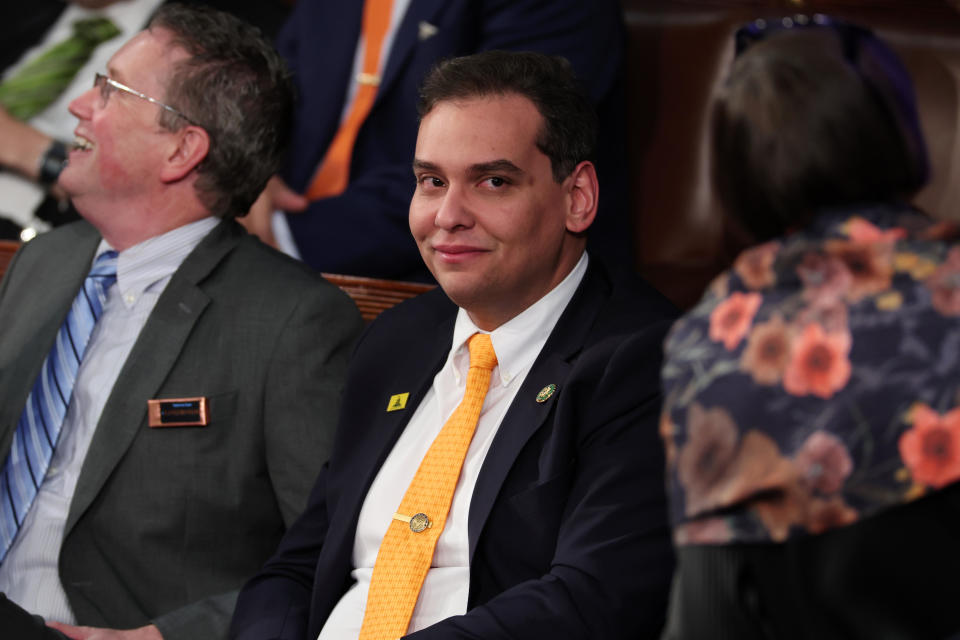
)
(492, 224)
(119, 142)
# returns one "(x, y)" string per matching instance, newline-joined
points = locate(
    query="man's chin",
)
(67, 181)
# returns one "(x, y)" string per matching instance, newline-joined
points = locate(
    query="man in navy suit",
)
(557, 527)
(363, 230)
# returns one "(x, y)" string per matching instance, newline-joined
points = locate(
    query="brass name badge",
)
(177, 412)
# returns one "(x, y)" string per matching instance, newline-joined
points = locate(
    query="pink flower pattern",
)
(816, 383)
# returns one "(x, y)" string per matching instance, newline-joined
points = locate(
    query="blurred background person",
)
(811, 416)
(346, 184)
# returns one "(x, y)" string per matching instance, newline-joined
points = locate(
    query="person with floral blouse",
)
(812, 398)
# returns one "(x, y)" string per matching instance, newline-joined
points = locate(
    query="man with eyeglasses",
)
(32, 152)
(151, 463)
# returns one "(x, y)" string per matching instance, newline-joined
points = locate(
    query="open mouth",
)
(81, 144)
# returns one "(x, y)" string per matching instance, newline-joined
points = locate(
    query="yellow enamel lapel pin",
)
(397, 402)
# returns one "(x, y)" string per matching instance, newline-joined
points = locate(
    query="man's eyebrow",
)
(114, 74)
(423, 165)
(497, 166)
(494, 166)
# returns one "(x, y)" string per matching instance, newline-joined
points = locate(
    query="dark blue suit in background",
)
(364, 231)
(567, 522)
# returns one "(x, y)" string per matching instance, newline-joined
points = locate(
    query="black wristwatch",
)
(52, 162)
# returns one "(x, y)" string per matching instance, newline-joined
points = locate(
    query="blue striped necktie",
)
(39, 426)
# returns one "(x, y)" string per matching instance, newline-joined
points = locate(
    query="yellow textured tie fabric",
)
(407, 549)
(332, 175)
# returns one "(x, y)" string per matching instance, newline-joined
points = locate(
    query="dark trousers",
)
(892, 576)
(17, 624)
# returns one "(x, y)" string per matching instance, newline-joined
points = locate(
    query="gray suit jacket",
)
(166, 524)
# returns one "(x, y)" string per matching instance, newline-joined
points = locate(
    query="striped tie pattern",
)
(39, 426)
(407, 549)
(41, 81)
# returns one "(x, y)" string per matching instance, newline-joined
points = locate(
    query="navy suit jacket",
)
(567, 522)
(364, 231)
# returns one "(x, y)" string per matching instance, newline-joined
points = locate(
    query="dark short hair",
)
(569, 131)
(236, 86)
(811, 119)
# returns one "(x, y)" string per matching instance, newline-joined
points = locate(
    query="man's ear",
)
(191, 146)
(584, 196)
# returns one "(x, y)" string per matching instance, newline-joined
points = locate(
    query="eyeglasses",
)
(850, 35)
(108, 85)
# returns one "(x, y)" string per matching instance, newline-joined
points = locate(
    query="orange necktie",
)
(332, 175)
(407, 549)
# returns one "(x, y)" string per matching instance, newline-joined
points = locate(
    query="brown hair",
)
(809, 120)
(239, 90)
(569, 132)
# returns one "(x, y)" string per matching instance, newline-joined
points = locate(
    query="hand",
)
(276, 195)
(149, 632)
(22, 146)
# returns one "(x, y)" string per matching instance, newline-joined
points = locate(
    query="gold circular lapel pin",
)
(546, 392)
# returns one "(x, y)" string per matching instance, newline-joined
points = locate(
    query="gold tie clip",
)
(417, 522)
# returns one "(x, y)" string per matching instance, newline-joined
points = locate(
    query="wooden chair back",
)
(7, 249)
(373, 295)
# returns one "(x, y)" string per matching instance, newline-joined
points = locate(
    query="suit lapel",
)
(151, 359)
(335, 36)
(414, 27)
(525, 415)
(358, 471)
(49, 306)
(380, 438)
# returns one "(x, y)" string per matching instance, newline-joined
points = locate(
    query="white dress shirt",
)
(21, 196)
(29, 574)
(517, 345)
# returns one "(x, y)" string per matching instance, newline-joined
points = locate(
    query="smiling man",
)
(497, 471)
(168, 384)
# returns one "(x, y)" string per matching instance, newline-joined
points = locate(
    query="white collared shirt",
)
(29, 574)
(517, 345)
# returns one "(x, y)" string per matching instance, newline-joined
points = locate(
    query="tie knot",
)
(482, 354)
(95, 30)
(105, 266)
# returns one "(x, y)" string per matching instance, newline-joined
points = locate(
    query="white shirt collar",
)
(156, 258)
(518, 341)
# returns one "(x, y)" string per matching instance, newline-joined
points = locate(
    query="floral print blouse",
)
(818, 380)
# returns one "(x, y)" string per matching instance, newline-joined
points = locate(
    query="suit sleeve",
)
(276, 602)
(301, 404)
(610, 574)
(372, 212)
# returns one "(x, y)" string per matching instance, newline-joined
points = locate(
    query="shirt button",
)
(131, 298)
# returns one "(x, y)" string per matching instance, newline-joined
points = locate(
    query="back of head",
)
(812, 118)
(569, 132)
(239, 90)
